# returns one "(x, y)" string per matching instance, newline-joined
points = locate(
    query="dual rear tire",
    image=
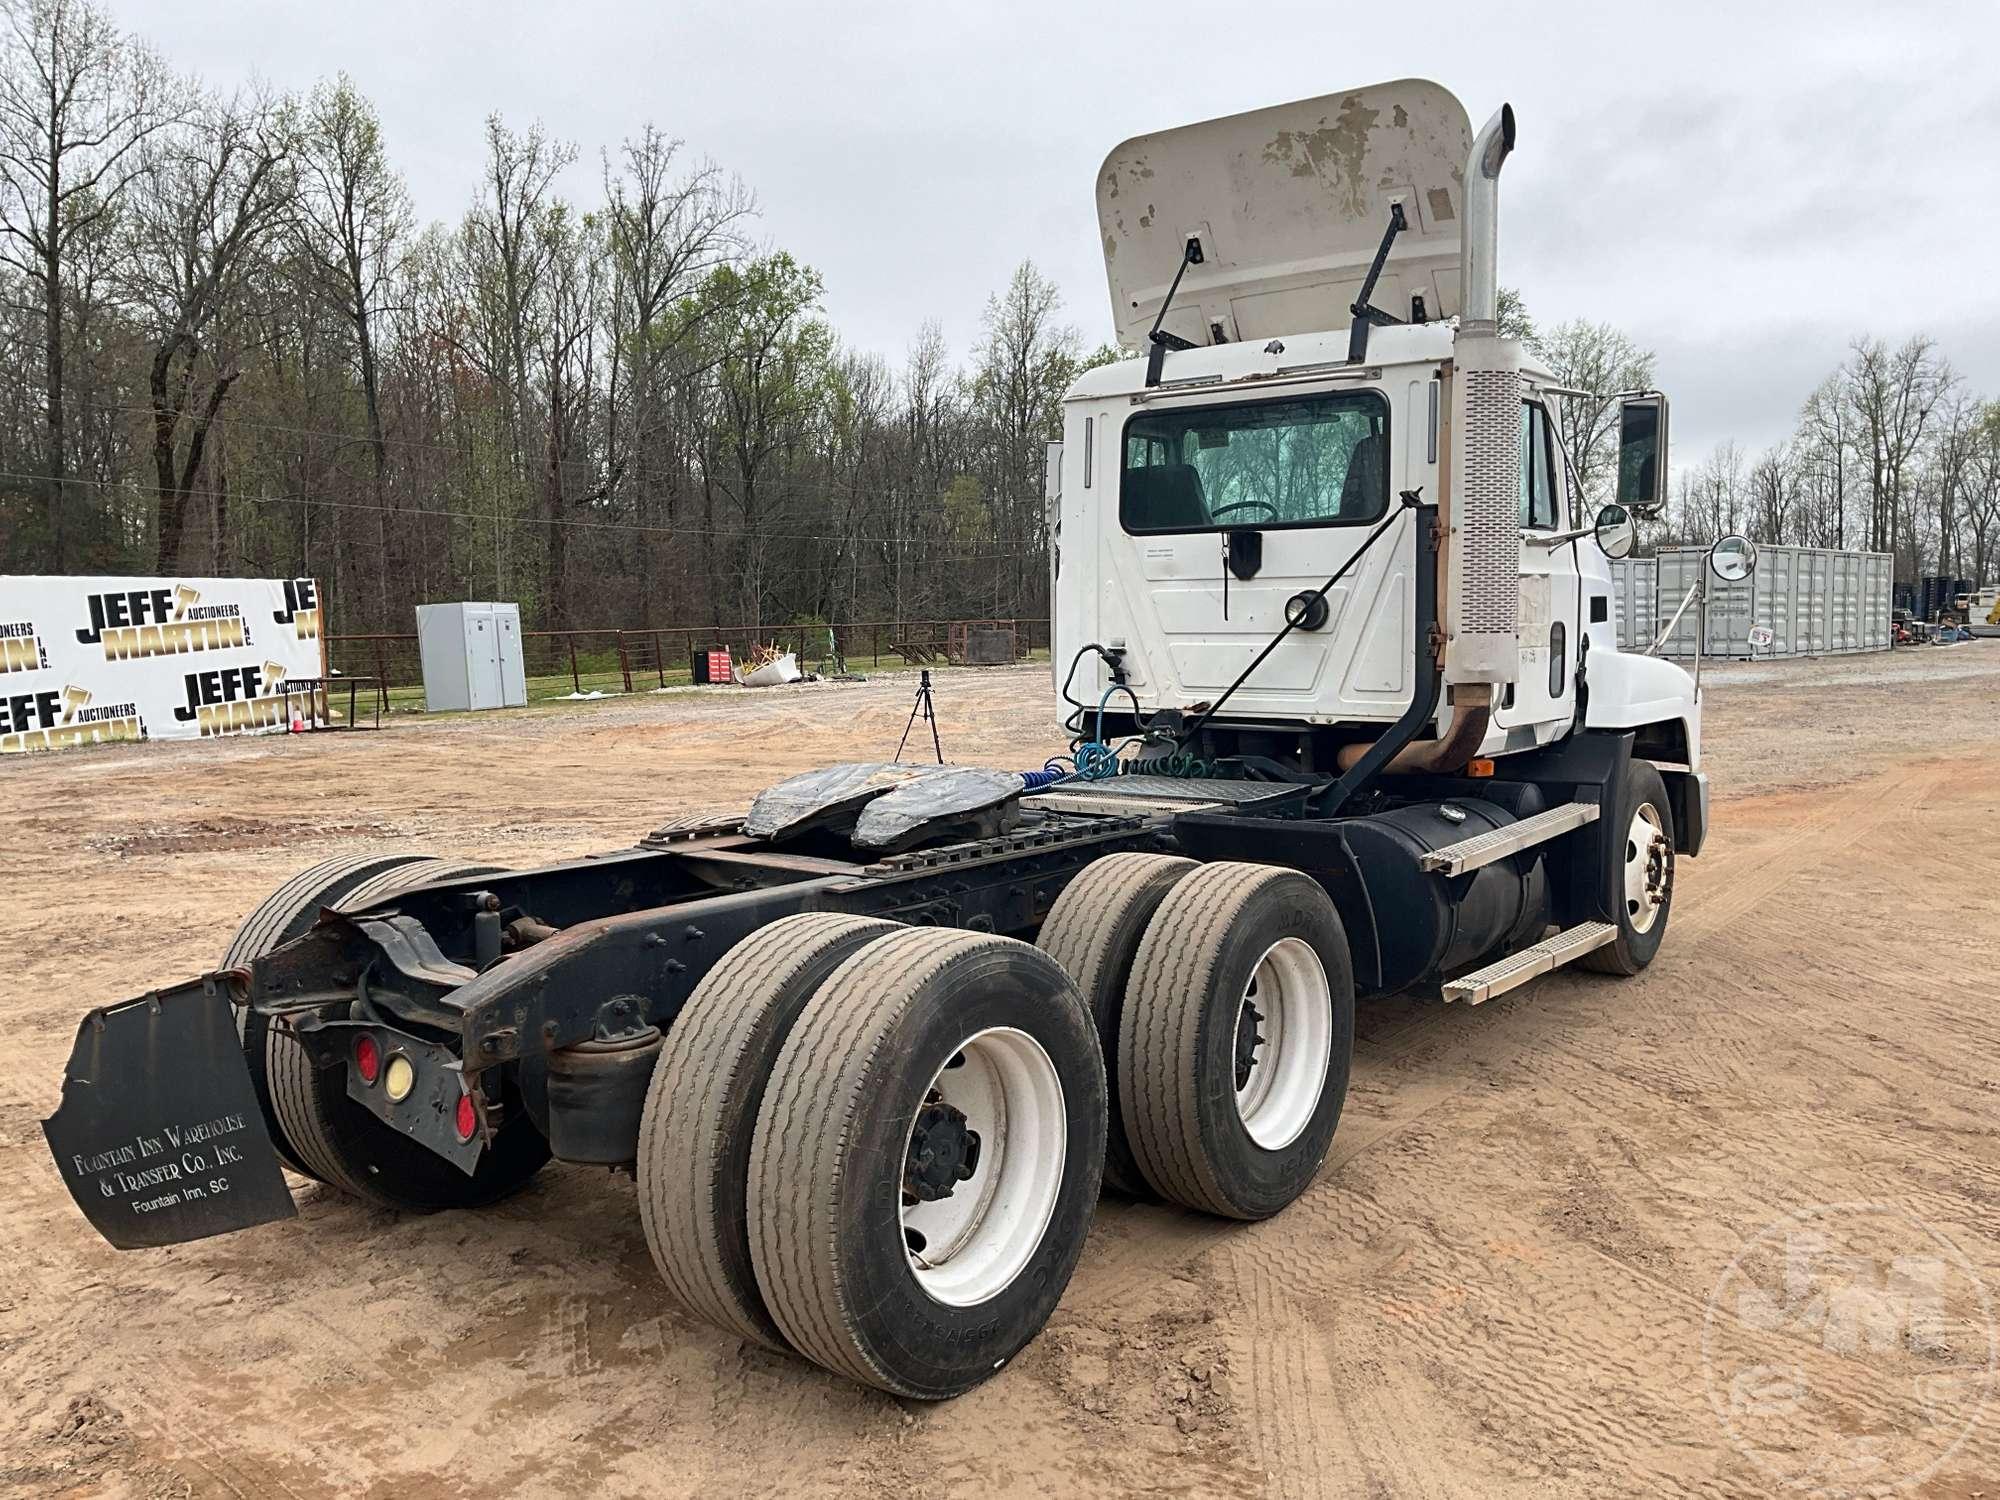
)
(880, 1147)
(1224, 999)
(1236, 1039)
(877, 1146)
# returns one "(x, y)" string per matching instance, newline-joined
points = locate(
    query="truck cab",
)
(1313, 377)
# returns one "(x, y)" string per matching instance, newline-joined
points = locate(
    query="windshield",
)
(1314, 460)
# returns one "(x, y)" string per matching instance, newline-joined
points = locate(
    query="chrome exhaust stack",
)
(1482, 504)
(1479, 234)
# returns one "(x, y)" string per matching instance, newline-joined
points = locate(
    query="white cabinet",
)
(472, 656)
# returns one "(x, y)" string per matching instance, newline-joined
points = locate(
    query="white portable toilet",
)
(472, 656)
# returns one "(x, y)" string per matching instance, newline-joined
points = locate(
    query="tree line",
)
(228, 346)
(1891, 453)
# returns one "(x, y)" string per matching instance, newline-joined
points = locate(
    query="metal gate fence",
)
(1814, 601)
(583, 663)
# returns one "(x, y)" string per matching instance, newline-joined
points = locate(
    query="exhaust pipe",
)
(1471, 712)
(1478, 352)
(1479, 234)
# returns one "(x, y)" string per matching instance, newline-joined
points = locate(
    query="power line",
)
(490, 517)
(226, 419)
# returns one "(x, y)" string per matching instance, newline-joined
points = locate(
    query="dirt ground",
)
(1504, 1283)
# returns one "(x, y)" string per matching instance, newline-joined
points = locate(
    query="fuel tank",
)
(1428, 927)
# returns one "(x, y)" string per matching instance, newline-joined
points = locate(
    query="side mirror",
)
(1617, 532)
(1733, 558)
(1642, 454)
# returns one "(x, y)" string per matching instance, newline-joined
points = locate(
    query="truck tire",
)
(348, 1148)
(701, 1112)
(287, 913)
(1639, 882)
(1093, 931)
(1237, 1037)
(927, 1160)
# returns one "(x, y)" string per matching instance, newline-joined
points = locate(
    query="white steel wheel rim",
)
(1294, 1014)
(1646, 870)
(969, 1246)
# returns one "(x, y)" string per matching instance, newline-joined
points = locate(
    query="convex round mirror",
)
(1733, 558)
(1617, 532)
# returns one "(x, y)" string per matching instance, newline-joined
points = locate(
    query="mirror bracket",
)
(1556, 538)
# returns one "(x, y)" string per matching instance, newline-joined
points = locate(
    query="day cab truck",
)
(1333, 644)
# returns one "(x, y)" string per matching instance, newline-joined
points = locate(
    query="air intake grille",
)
(1489, 508)
(1483, 578)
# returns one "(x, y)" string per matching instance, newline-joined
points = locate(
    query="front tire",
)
(1238, 1034)
(927, 1159)
(1639, 877)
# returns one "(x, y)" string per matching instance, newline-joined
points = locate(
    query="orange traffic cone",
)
(298, 724)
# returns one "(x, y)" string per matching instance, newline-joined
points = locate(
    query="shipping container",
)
(1814, 601)
(1635, 586)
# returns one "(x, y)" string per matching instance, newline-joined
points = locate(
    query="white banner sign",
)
(86, 660)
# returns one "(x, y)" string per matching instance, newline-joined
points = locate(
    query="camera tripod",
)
(925, 708)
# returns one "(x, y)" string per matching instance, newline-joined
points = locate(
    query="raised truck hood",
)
(1289, 204)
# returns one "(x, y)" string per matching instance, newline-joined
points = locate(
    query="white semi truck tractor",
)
(1347, 719)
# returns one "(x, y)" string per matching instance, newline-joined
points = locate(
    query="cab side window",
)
(1538, 479)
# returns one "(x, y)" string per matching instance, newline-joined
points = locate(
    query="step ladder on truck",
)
(1333, 644)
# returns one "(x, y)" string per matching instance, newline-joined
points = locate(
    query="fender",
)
(1628, 691)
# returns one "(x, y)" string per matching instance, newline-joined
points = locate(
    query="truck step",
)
(1518, 968)
(1485, 848)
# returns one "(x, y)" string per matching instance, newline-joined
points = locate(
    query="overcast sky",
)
(1743, 186)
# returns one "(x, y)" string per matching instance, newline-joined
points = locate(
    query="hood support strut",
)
(1365, 316)
(1156, 356)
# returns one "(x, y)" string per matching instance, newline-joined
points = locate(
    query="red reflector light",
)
(367, 1059)
(468, 1117)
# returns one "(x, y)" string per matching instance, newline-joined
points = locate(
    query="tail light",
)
(468, 1118)
(367, 1058)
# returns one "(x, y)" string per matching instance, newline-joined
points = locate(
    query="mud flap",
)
(159, 1137)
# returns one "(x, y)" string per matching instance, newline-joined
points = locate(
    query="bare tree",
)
(1946, 475)
(1773, 478)
(570, 375)
(1982, 494)
(1026, 359)
(666, 227)
(216, 189)
(1893, 394)
(1711, 496)
(1824, 445)
(77, 101)
(353, 216)
(928, 401)
(1594, 357)
(509, 248)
